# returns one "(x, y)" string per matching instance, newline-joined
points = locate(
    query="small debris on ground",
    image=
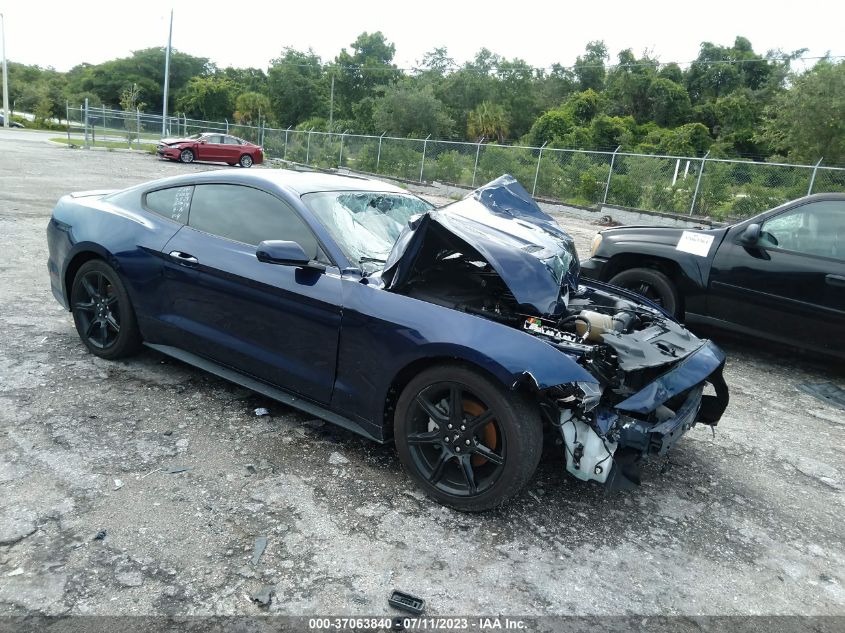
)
(258, 549)
(99, 536)
(406, 602)
(264, 596)
(118, 484)
(250, 469)
(337, 459)
(16, 572)
(607, 220)
(173, 470)
(260, 411)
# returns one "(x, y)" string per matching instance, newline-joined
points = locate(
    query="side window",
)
(817, 228)
(231, 140)
(214, 138)
(172, 203)
(250, 216)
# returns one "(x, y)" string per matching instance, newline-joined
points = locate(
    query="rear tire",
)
(477, 457)
(246, 161)
(102, 312)
(652, 284)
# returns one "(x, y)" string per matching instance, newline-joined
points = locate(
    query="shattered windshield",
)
(365, 224)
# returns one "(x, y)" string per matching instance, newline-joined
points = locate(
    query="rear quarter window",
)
(172, 203)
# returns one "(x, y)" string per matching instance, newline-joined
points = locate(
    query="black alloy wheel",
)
(102, 313)
(466, 442)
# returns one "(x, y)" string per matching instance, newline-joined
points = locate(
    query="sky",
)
(244, 34)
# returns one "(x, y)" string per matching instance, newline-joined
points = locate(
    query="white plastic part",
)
(595, 454)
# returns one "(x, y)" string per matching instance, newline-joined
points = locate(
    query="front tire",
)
(466, 441)
(652, 284)
(186, 156)
(102, 312)
(246, 161)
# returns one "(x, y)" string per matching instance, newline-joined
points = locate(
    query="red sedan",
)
(211, 146)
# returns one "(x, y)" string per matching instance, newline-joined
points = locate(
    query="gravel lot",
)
(746, 521)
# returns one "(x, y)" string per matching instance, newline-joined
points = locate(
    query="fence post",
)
(285, 154)
(698, 182)
(67, 120)
(422, 163)
(378, 156)
(227, 125)
(536, 171)
(813, 177)
(138, 127)
(103, 108)
(308, 147)
(340, 158)
(477, 153)
(86, 122)
(609, 174)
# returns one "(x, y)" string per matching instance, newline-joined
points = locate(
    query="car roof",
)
(297, 182)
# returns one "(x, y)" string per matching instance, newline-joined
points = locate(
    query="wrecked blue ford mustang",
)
(463, 334)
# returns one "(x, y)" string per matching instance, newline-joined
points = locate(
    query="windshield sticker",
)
(695, 243)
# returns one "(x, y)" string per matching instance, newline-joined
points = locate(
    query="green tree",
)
(517, 92)
(463, 90)
(144, 68)
(487, 121)
(806, 122)
(611, 132)
(296, 86)
(550, 126)
(360, 73)
(209, 98)
(628, 86)
(251, 108)
(130, 99)
(589, 68)
(668, 102)
(409, 111)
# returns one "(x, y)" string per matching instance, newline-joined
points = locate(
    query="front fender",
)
(384, 332)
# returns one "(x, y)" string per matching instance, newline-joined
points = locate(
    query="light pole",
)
(5, 74)
(166, 78)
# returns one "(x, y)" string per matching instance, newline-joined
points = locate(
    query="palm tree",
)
(488, 120)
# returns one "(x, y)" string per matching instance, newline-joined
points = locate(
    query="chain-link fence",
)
(717, 188)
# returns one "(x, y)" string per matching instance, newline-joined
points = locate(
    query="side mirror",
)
(285, 253)
(751, 235)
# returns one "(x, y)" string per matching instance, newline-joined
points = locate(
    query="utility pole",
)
(331, 105)
(166, 78)
(5, 74)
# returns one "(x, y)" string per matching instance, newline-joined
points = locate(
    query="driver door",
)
(210, 148)
(791, 284)
(277, 323)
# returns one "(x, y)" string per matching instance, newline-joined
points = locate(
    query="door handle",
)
(835, 280)
(184, 258)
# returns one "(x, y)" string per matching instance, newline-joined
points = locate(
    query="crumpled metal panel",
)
(689, 372)
(533, 255)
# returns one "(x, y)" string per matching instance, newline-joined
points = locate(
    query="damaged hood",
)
(532, 254)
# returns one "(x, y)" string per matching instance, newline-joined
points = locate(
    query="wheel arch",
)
(82, 253)
(494, 372)
(684, 281)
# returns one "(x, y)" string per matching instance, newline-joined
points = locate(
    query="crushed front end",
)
(652, 375)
